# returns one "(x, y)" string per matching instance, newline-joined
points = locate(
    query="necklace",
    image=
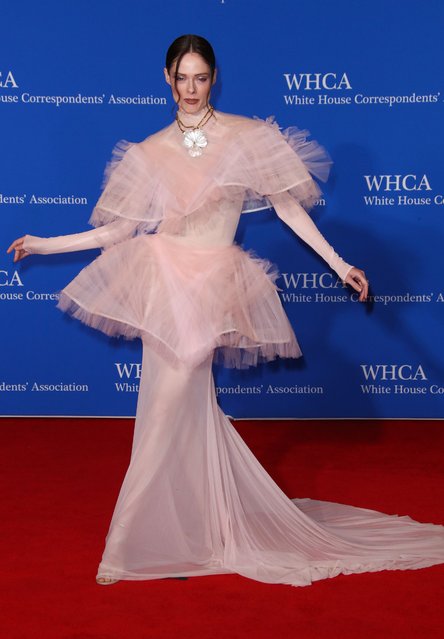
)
(194, 139)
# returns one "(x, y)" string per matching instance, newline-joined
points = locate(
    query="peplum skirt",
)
(185, 301)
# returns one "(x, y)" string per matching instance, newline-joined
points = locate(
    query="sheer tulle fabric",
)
(195, 501)
(247, 160)
(185, 300)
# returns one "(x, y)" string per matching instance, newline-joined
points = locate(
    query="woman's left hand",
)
(357, 280)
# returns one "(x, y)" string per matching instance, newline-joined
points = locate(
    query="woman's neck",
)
(192, 119)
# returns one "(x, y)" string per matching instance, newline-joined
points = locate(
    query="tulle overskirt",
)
(186, 300)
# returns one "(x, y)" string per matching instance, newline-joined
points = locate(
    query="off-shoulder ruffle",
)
(273, 161)
(129, 190)
(157, 185)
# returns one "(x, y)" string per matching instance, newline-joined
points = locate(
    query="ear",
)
(167, 76)
(214, 77)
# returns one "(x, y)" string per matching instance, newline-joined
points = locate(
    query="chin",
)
(192, 108)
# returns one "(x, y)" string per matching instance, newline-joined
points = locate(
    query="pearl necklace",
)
(195, 139)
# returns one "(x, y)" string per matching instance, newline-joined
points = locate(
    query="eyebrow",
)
(195, 74)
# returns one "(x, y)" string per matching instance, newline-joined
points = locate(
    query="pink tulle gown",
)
(195, 501)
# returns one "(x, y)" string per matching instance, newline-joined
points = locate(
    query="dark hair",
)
(190, 44)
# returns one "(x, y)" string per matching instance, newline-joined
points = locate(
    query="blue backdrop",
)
(365, 78)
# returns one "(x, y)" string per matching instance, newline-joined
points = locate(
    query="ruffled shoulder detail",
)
(157, 185)
(129, 189)
(316, 159)
(273, 160)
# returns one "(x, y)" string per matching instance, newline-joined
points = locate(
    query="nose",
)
(191, 86)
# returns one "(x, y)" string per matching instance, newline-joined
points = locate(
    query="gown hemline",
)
(311, 571)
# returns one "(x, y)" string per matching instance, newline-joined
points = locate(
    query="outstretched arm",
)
(295, 216)
(101, 237)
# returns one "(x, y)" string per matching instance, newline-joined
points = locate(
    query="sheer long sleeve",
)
(124, 209)
(101, 237)
(295, 216)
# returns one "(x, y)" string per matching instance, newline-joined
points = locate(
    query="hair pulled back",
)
(190, 43)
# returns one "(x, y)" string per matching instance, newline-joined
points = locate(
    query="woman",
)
(195, 501)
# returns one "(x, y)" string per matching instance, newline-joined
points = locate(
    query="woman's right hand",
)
(17, 246)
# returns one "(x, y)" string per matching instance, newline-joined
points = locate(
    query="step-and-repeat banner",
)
(365, 78)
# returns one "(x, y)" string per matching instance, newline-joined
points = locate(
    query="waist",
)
(199, 240)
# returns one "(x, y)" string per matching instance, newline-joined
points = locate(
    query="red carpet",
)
(60, 479)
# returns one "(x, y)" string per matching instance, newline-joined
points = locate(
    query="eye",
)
(203, 78)
(179, 78)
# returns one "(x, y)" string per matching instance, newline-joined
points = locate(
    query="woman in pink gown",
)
(195, 501)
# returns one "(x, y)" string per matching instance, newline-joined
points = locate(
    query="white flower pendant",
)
(195, 141)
